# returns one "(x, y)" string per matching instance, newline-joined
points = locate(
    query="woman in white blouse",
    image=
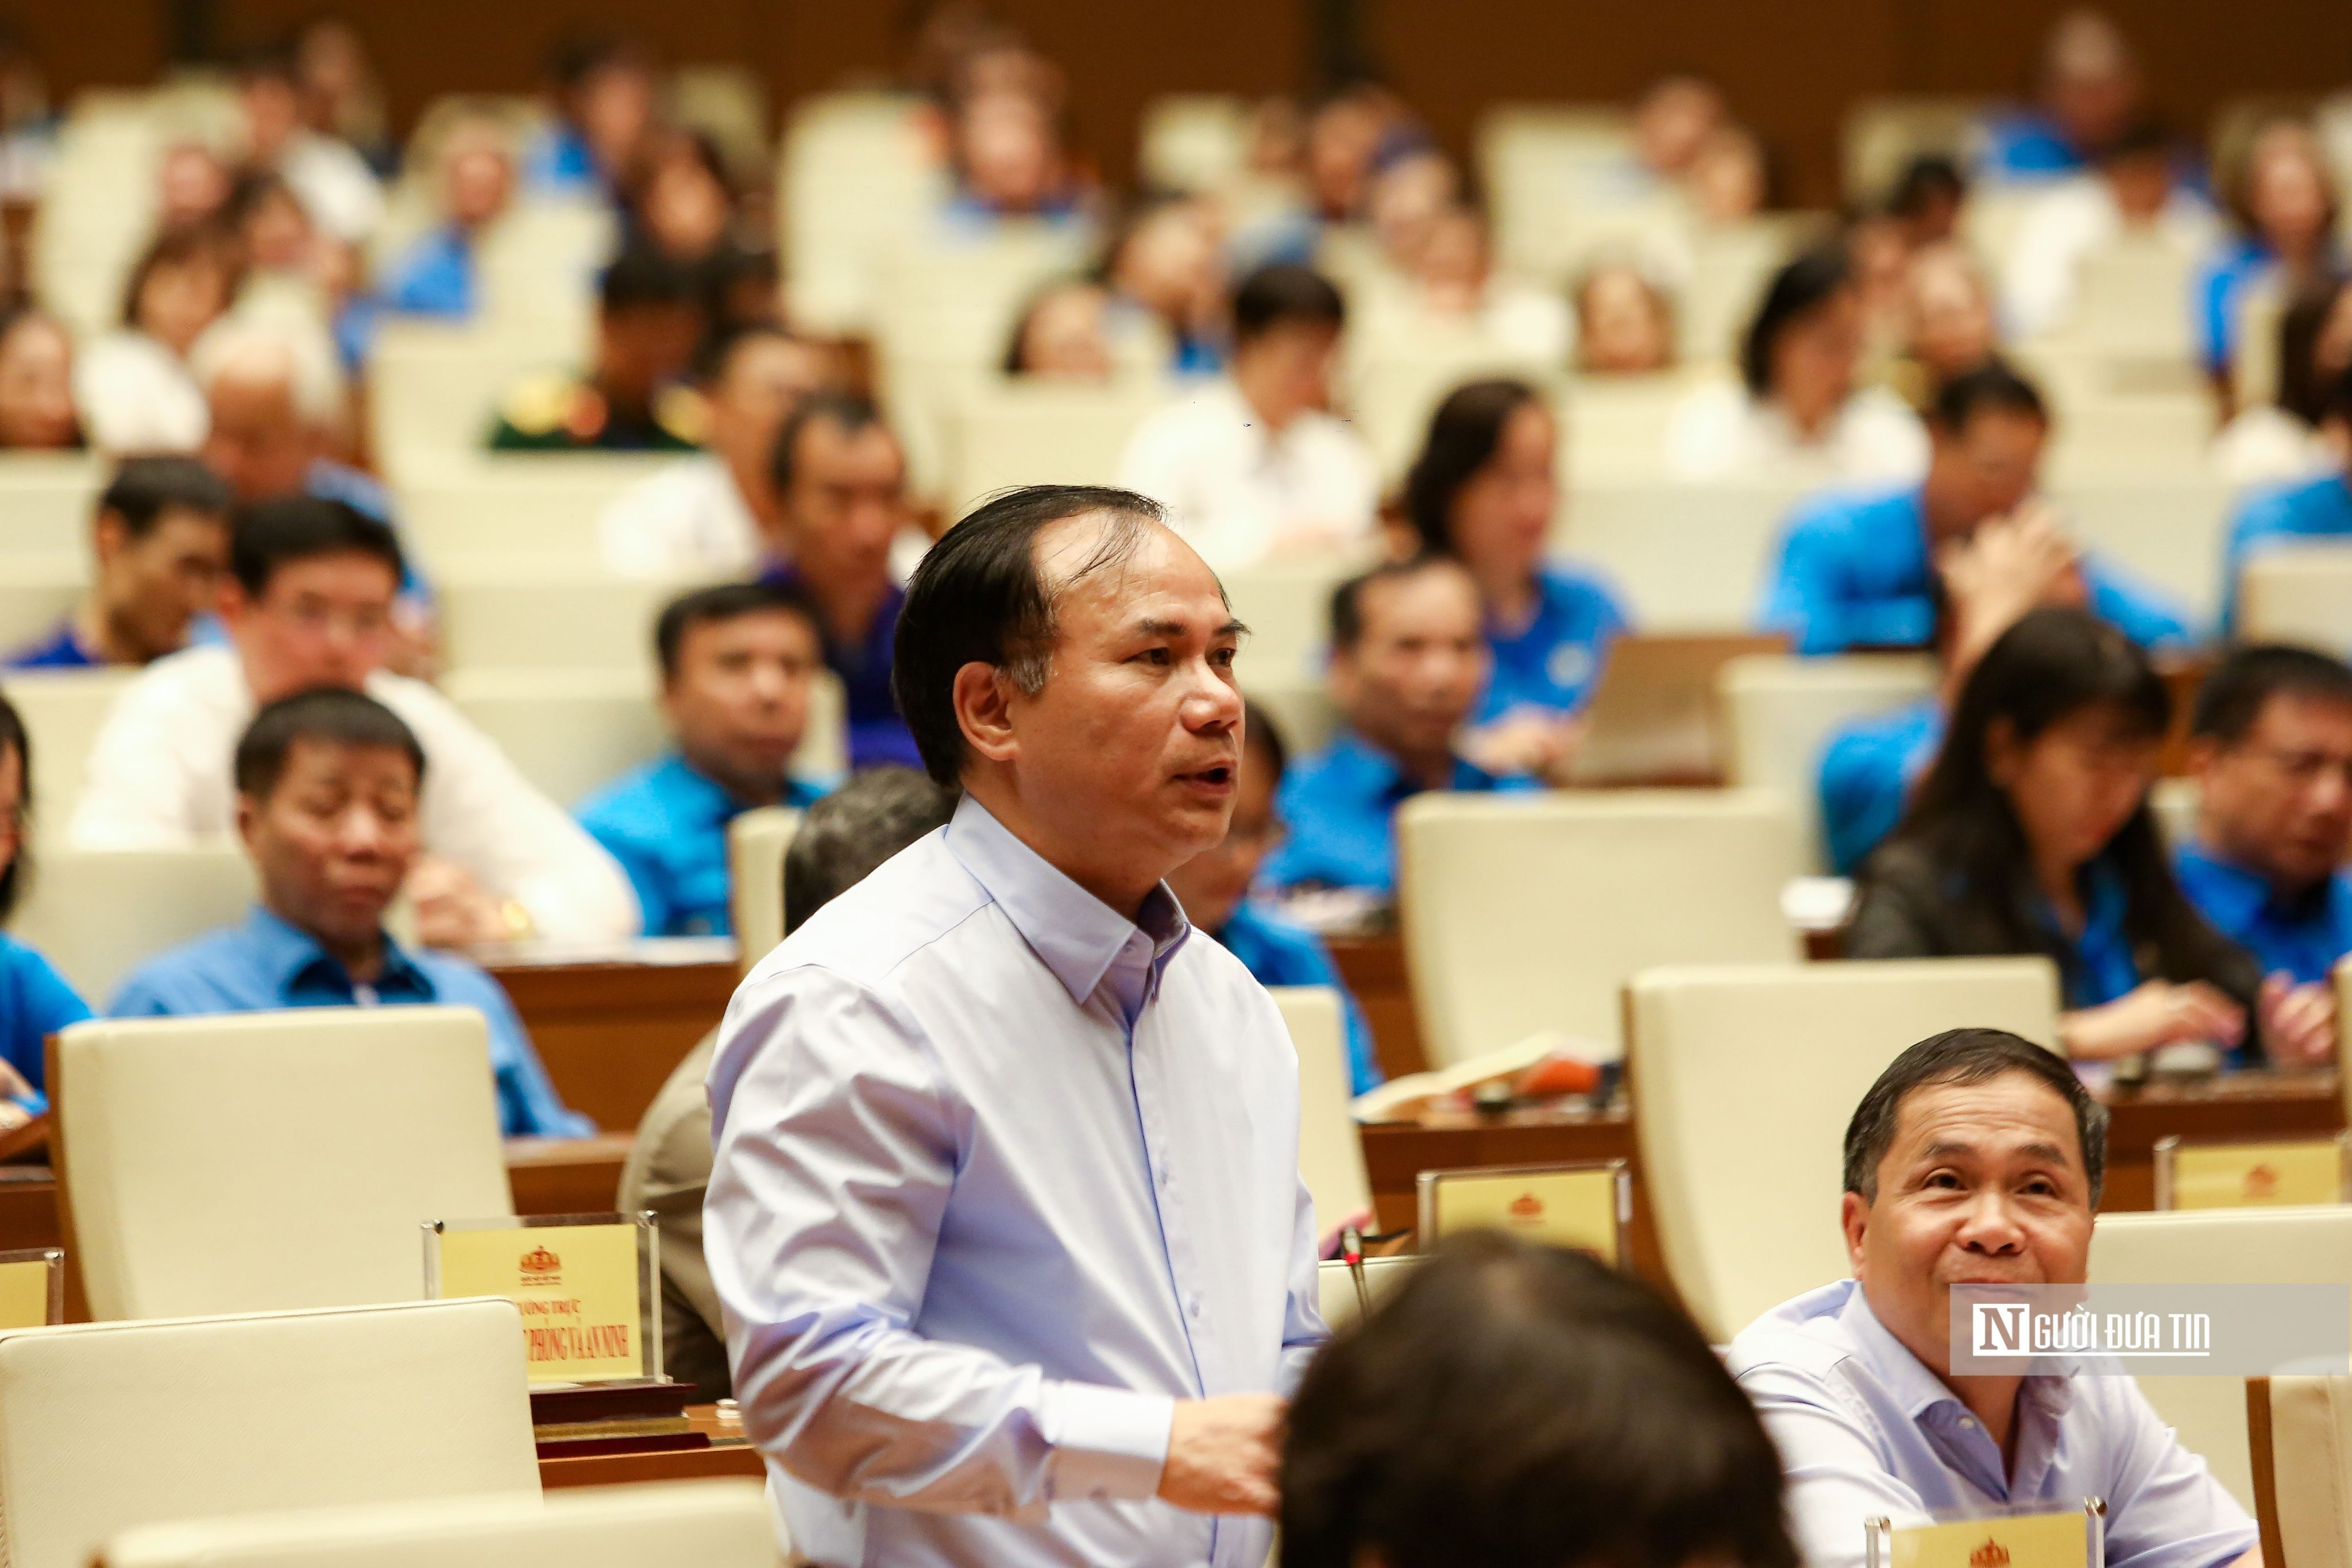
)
(132, 385)
(1796, 413)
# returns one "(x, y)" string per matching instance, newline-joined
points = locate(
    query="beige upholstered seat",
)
(1743, 1078)
(98, 914)
(1530, 912)
(1286, 604)
(1337, 1293)
(1330, 1150)
(1003, 434)
(525, 613)
(265, 1162)
(524, 504)
(1780, 711)
(2201, 1246)
(104, 1426)
(2300, 593)
(62, 709)
(756, 845)
(2310, 1483)
(709, 1524)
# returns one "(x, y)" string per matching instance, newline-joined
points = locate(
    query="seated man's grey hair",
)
(851, 831)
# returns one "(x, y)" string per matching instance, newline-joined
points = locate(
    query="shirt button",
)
(1163, 1178)
(1194, 1305)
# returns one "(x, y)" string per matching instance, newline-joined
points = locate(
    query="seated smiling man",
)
(327, 791)
(1976, 1158)
(737, 661)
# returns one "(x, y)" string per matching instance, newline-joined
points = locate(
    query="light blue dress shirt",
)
(1554, 662)
(2316, 509)
(1854, 572)
(265, 964)
(1000, 1176)
(1865, 1429)
(667, 825)
(1341, 808)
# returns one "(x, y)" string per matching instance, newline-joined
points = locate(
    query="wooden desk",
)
(610, 1029)
(729, 1456)
(1373, 968)
(2241, 1105)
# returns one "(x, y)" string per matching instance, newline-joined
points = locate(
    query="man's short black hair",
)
(850, 411)
(331, 713)
(143, 488)
(1273, 295)
(724, 601)
(848, 832)
(273, 59)
(1348, 598)
(1512, 1404)
(2143, 137)
(2232, 698)
(1967, 1055)
(642, 278)
(1992, 386)
(979, 597)
(1926, 179)
(268, 534)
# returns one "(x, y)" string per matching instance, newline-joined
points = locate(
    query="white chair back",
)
(757, 842)
(2300, 594)
(62, 709)
(1745, 1077)
(1338, 1298)
(1531, 912)
(107, 1427)
(1782, 711)
(268, 1162)
(1330, 1150)
(98, 914)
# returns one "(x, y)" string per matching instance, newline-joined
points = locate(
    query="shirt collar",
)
(285, 954)
(1381, 776)
(697, 792)
(2230, 894)
(1913, 1383)
(1077, 936)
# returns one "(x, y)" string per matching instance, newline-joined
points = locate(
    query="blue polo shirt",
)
(2303, 935)
(2235, 264)
(559, 162)
(61, 649)
(667, 825)
(2316, 508)
(433, 277)
(1854, 572)
(1867, 773)
(877, 734)
(1339, 807)
(1279, 952)
(2098, 966)
(266, 965)
(35, 1002)
(2025, 145)
(1555, 660)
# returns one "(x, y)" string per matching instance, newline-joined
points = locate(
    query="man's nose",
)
(1215, 703)
(360, 831)
(1990, 1224)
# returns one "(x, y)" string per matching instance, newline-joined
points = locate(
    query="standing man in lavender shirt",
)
(1005, 1219)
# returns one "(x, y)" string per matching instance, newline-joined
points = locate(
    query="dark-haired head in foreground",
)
(843, 838)
(1069, 661)
(1515, 1407)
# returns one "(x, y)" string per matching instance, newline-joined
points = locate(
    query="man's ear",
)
(2204, 751)
(1853, 1218)
(234, 605)
(109, 536)
(248, 817)
(983, 712)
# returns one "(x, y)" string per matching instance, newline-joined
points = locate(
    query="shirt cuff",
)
(1108, 1442)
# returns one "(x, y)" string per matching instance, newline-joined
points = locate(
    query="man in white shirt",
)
(1255, 465)
(310, 604)
(716, 514)
(1005, 1219)
(330, 180)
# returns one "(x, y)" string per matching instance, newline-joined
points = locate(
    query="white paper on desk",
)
(1376, 1105)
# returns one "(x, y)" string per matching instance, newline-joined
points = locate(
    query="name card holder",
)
(1585, 1207)
(31, 1288)
(589, 1286)
(2067, 1539)
(2252, 1172)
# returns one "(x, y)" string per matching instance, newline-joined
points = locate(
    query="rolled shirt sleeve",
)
(836, 1153)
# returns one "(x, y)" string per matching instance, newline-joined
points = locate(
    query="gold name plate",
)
(586, 1286)
(2250, 1175)
(1583, 1207)
(2068, 1540)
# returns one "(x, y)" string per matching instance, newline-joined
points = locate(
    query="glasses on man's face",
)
(2303, 768)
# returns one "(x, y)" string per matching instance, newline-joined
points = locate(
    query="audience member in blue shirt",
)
(1867, 773)
(605, 94)
(841, 490)
(2031, 834)
(1214, 887)
(2317, 509)
(737, 662)
(327, 784)
(1167, 274)
(1408, 661)
(1005, 151)
(159, 548)
(435, 275)
(2282, 206)
(1859, 570)
(2272, 750)
(36, 1002)
(2089, 88)
(1483, 492)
